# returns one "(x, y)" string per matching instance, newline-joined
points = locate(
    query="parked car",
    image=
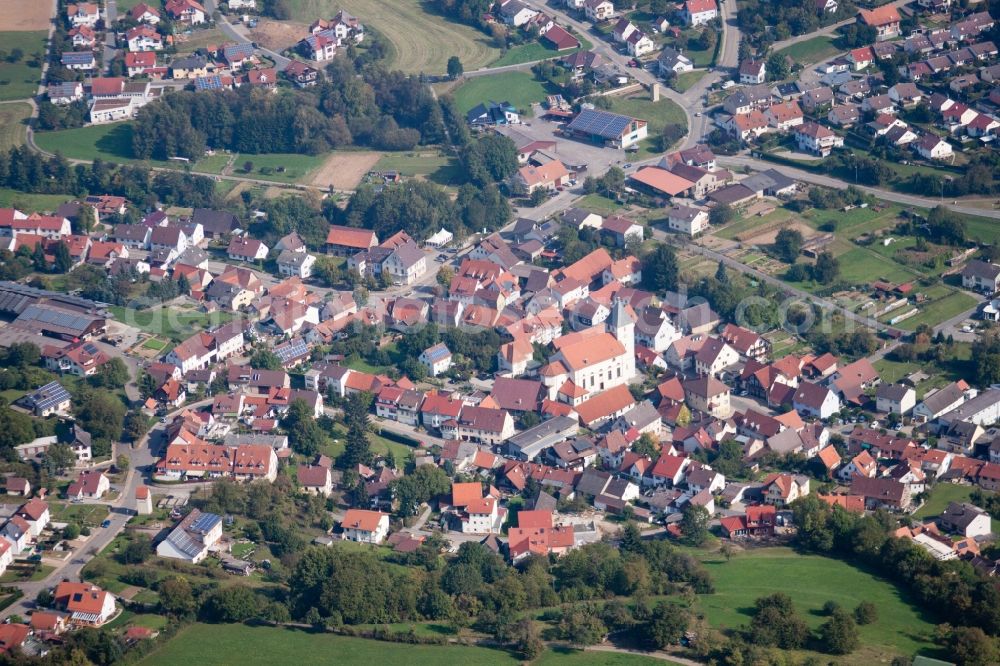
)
(106, 523)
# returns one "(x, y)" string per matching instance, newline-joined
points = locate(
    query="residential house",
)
(817, 139)
(699, 12)
(192, 538)
(965, 519)
(782, 489)
(598, 10)
(896, 399)
(707, 394)
(437, 359)
(752, 71)
(185, 11)
(981, 276)
(687, 220)
(86, 604)
(884, 19)
(671, 61)
(365, 526)
(882, 493)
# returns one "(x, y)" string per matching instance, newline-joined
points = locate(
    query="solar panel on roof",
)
(48, 396)
(600, 123)
(205, 522)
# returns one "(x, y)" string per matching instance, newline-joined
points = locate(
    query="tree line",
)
(27, 171)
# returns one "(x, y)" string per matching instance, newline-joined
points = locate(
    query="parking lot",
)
(569, 151)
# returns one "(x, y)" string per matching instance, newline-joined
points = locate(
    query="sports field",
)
(811, 581)
(12, 127)
(421, 40)
(21, 69)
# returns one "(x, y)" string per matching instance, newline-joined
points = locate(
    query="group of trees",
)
(951, 589)
(27, 171)
(825, 271)
(420, 208)
(384, 109)
(763, 23)
(776, 623)
(477, 587)
(986, 357)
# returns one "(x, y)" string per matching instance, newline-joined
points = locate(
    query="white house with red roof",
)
(143, 13)
(36, 513)
(884, 19)
(816, 139)
(699, 12)
(186, 11)
(83, 13)
(87, 604)
(365, 526)
(143, 38)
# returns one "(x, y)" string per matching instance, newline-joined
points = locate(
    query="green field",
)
(31, 203)
(812, 50)
(859, 266)
(421, 40)
(740, 226)
(19, 80)
(22, 574)
(81, 514)
(940, 310)
(811, 581)
(216, 644)
(173, 324)
(983, 229)
(113, 143)
(12, 124)
(529, 52)
(519, 88)
(435, 167)
(279, 167)
(684, 81)
(560, 656)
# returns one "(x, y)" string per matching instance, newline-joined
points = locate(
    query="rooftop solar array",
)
(600, 123)
(64, 319)
(213, 82)
(15, 289)
(48, 396)
(204, 523)
(291, 350)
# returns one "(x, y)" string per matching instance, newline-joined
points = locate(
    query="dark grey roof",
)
(600, 123)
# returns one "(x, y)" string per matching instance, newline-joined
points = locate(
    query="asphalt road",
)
(836, 183)
(110, 40)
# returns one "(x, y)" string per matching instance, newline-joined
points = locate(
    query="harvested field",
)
(343, 171)
(18, 15)
(767, 235)
(278, 35)
(13, 126)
